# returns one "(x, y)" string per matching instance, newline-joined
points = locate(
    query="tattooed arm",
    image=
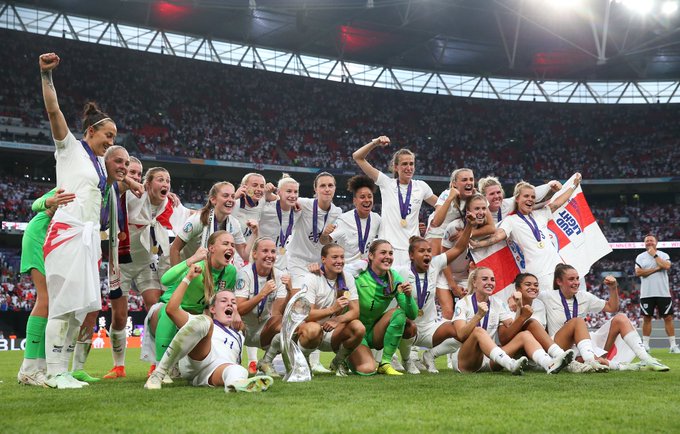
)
(48, 62)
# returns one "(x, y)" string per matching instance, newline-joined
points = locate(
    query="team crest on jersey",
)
(457, 312)
(222, 285)
(188, 227)
(240, 284)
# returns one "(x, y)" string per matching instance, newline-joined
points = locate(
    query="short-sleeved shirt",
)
(245, 288)
(498, 312)
(539, 261)
(656, 284)
(192, 232)
(302, 244)
(429, 309)
(554, 309)
(390, 228)
(322, 292)
(242, 212)
(346, 234)
(77, 174)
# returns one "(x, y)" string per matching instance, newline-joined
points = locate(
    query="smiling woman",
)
(71, 268)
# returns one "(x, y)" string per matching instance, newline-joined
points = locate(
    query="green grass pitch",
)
(491, 402)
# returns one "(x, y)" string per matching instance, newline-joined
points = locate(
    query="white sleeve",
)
(506, 225)
(66, 142)
(340, 232)
(383, 180)
(595, 304)
(505, 312)
(427, 190)
(281, 290)
(461, 310)
(443, 197)
(541, 192)
(310, 282)
(243, 285)
(236, 231)
(356, 267)
(190, 229)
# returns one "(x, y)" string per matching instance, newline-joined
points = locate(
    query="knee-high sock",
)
(635, 343)
(405, 347)
(273, 350)
(501, 357)
(118, 346)
(393, 334)
(315, 358)
(585, 347)
(343, 353)
(82, 349)
(542, 358)
(70, 342)
(449, 346)
(252, 354)
(184, 341)
(554, 350)
(35, 343)
(232, 374)
(165, 331)
(55, 339)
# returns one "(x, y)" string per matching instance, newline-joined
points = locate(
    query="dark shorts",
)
(664, 305)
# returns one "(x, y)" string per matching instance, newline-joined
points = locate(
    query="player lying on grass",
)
(207, 347)
(478, 317)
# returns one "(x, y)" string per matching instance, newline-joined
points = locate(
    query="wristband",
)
(187, 281)
(656, 256)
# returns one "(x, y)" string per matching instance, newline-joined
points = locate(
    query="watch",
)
(656, 256)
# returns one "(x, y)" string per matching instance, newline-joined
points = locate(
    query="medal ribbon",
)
(97, 166)
(532, 225)
(404, 204)
(251, 202)
(500, 215)
(485, 323)
(315, 221)
(362, 239)
(234, 334)
(291, 220)
(568, 314)
(385, 285)
(256, 284)
(421, 291)
(340, 285)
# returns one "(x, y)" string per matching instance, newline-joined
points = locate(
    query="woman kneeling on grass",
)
(208, 347)
(477, 318)
(566, 308)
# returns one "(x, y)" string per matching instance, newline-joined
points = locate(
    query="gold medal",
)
(541, 245)
(250, 192)
(282, 250)
(346, 294)
(154, 249)
(122, 236)
(420, 312)
(103, 235)
(403, 223)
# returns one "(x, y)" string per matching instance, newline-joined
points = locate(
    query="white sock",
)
(309, 354)
(314, 358)
(645, 341)
(343, 353)
(405, 348)
(671, 341)
(635, 343)
(273, 350)
(501, 357)
(252, 354)
(554, 350)
(184, 341)
(30, 365)
(118, 346)
(542, 358)
(232, 374)
(449, 346)
(585, 347)
(82, 350)
(613, 366)
(55, 337)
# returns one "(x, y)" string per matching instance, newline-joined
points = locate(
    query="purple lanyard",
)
(404, 204)
(291, 220)
(485, 323)
(256, 284)
(362, 239)
(421, 292)
(500, 215)
(385, 285)
(532, 225)
(251, 202)
(97, 166)
(340, 284)
(234, 335)
(315, 223)
(568, 314)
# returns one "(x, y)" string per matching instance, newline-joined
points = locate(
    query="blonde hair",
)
(245, 179)
(487, 182)
(522, 185)
(286, 179)
(395, 159)
(473, 276)
(205, 211)
(148, 176)
(256, 244)
(457, 172)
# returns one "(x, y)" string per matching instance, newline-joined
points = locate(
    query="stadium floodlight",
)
(565, 4)
(252, 5)
(669, 7)
(639, 6)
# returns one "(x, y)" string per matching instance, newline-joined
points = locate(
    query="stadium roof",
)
(539, 39)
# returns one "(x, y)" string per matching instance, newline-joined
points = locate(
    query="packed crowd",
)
(245, 115)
